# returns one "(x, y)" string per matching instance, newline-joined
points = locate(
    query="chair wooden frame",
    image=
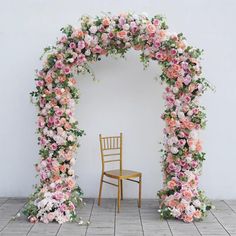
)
(110, 147)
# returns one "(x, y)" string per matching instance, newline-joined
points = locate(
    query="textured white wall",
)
(126, 98)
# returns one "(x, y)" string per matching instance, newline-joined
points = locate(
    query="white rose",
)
(192, 147)
(50, 133)
(193, 134)
(175, 212)
(88, 52)
(93, 29)
(126, 27)
(188, 159)
(174, 139)
(175, 90)
(169, 142)
(197, 203)
(190, 210)
(71, 172)
(88, 39)
(71, 138)
(177, 102)
(72, 161)
(181, 115)
(190, 113)
(174, 150)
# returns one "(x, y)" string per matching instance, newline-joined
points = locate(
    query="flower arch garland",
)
(57, 194)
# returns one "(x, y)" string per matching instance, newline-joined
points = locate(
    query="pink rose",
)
(81, 45)
(66, 70)
(155, 22)
(133, 27)
(41, 122)
(97, 49)
(72, 45)
(63, 207)
(53, 146)
(63, 39)
(59, 64)
(157, 44)
(39, 83)
(187, 80)
(33, 219)
(51, 216)
(81, 58)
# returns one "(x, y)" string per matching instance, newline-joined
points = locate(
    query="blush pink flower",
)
(151, 28)
(59, 64)
(81, 45)
(66, 70)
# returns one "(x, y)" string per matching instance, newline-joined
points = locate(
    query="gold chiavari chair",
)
(111, 151)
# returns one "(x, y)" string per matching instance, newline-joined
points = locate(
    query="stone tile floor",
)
(131, 221)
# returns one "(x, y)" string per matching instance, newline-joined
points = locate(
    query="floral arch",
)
(57, 195)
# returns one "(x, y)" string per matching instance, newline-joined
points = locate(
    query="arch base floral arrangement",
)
(57, 195)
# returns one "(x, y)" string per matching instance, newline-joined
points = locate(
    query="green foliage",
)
(68, 30)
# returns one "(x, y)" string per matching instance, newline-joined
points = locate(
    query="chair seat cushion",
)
(124, 174)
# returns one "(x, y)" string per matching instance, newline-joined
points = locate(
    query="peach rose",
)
(62, 79)
(151, 29)
(181, 207)
(173, 203)
(187, 195)
(171, 184)
(187, 218)
(63, 168)
(171, 122)
(122, 34)
(67, 126)
(197, 214)
(181, 45)
(64, 101)
(48, 79)
(192, 87)
(198, 146)
(62, 121)
(179, 83)
(70, 182)
(162, 33)
(106, 22)
(73, 80)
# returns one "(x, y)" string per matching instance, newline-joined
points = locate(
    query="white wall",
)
(126, 99)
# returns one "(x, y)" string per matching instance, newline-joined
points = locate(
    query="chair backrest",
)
(111, 150)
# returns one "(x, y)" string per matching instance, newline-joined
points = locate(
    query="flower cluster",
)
(56, 94)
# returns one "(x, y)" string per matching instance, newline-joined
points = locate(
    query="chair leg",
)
(118, 196)
(100, 191)
(140, 191)
(121, 186)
